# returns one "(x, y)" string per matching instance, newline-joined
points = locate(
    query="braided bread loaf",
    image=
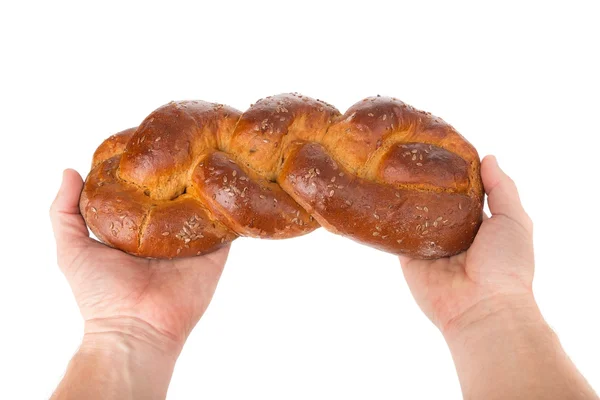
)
(195, 175)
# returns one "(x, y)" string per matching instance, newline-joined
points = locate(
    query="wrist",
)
(122, 358)
(496, 315)
(129, 336)
(501, 333)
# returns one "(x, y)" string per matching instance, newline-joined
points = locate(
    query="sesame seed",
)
(157, 139)
(375, 233)
(419, 208)
(419, 164)
(424, 233)
(435, 224)
(419, 227)
(331, 193)
(414, 151)
(165, 233)
(384, 117)
(420, 156)
(348, 202)
(460, 206)
(317, 171)
(425, 209)
(341, 174)
(178, 250)
(444, 221)
(378, 227)
(399, 241)
(234, 173)
(333, 179)
(370, 114)
(94, 210)
(224, 179)
(376, 216)
(398, 194)
(414, 157)
(198, 253)
(262, 196)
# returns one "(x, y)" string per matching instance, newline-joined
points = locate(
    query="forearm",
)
(119, 360)
(507, 351)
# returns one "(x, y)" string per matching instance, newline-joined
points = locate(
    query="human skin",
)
(482, 302)
(139, 312)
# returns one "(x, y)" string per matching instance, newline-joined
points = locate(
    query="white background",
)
(317, 317)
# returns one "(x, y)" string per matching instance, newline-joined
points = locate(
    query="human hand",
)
(158, 300)
(495, 272)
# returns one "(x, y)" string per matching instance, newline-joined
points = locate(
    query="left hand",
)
(114, 290)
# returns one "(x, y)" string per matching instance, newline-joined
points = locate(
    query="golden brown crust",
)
(423, 164)
(168, 143)
(249, 204)
(422, 224)
(112, 146)
(113, 210)
(264, 131)
(181, 227)
(194, 175)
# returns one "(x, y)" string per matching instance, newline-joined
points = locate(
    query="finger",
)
(67, 222)
(503, 197)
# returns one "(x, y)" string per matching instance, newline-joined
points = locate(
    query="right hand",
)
(495, 272)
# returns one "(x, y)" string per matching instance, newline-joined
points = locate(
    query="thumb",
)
(503, 197)
(67, 222)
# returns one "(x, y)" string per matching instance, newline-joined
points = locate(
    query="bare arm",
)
(119, 359)
(137, 312)
(503, 349)
(483, 303)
